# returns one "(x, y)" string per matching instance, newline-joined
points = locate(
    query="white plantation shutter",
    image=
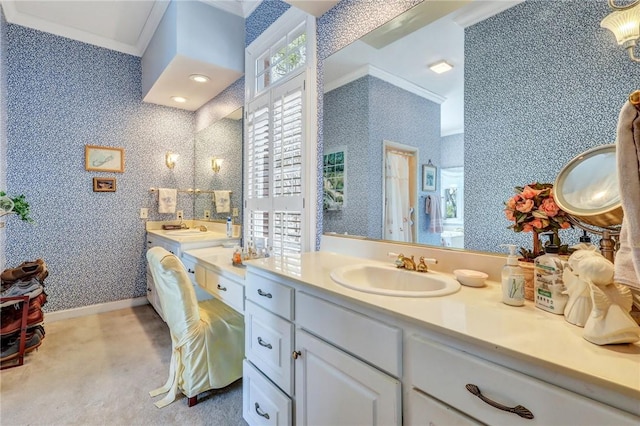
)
(274, 166)
(279, 141)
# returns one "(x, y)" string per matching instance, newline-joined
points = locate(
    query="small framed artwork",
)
(429, 177)
(101, 184)
(103, 159)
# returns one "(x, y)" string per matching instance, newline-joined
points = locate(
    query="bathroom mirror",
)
(521, 105)
(218, 166)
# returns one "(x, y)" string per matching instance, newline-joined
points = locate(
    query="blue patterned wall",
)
(452, 151)
(3, 128)
(63, 94)
(262, 17)
(226, 102)
(543, 83)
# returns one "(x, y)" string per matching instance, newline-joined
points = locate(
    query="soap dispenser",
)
(512, 279)
(548, 282)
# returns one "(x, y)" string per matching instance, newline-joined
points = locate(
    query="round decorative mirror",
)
(587, 188)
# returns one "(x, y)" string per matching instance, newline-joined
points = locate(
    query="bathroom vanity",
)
(321, 353)
(178, 242)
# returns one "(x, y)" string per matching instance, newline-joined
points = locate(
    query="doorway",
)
(399, 189)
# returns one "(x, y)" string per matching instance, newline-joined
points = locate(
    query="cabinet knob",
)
(263, 294)
(518, 409)
(221, 288)
(148, 289)
(260, 412)
(296, 354)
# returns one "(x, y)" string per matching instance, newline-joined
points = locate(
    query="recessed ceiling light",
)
(199, 78)
(440, 67)
(179, 99)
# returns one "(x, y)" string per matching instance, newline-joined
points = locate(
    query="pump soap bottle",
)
(548, 282)
(512, 279)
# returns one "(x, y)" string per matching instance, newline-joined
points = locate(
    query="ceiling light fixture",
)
(199, 78)
(624, 23)
(179, 99)
(440, 67)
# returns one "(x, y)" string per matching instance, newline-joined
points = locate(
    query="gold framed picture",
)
(101, 184)
(103, 158)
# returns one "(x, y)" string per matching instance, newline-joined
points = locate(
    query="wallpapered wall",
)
(3, 129)
(529, 109)
(63, 94)
(361, 115)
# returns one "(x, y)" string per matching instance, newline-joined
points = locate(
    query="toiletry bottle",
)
(548, 283)
(229, 227)
(512, 279)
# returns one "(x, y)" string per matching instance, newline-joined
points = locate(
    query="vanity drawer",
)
(269, 294)
(269, 345)
(444, 372)
(424, 410)
(190, 266)
(262, 402)
(229, 291)
(365, 337)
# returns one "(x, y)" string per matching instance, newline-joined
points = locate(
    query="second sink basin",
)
(391, 281)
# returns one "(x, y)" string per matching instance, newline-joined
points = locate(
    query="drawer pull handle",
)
(221, 288)
(296, 354)
(260, 412)
(263, 294)
(190, 271)
(518, 409)
(263, 343)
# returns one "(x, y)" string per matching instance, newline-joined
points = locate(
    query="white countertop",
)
(218, 259)
(477, 315)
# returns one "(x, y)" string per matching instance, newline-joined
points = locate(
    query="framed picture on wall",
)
(429, 177)
(104, 184)
(103, 158)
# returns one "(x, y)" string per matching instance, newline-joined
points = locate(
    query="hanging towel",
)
(167, 199)
(435, 214)
(627, 264)
(222, 199)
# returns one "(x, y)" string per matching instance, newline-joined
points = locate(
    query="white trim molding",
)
(94, 309)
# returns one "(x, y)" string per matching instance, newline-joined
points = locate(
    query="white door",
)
(333, 388)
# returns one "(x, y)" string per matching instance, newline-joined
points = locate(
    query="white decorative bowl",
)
(470, 278)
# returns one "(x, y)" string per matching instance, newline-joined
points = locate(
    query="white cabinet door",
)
(333, 388)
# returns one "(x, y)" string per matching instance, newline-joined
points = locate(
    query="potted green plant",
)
(17, 205)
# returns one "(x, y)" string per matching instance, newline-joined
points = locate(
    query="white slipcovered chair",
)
(207, 337)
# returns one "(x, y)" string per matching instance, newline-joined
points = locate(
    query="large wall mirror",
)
(218, 166)
(533, 84)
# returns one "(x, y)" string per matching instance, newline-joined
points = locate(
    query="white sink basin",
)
(391, 281)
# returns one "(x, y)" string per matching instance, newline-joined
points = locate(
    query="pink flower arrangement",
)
(533, 209)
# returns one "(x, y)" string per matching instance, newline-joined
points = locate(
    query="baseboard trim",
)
(94, 309)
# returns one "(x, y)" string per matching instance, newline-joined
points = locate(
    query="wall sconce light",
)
(624, 23)
(215, 164)
(170, 159)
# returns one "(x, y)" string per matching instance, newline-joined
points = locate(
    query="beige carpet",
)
(98, 370)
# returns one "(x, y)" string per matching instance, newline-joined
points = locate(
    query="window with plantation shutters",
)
(277, 136)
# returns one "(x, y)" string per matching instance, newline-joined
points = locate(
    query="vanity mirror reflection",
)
(218, 166)
(534, 83)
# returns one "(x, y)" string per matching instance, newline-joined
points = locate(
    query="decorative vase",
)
(528, 268)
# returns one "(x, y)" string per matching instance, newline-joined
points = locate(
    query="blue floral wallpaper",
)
(262, 17)
(543, 83)
(63, 94)
(3, 129)
(226, 102)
